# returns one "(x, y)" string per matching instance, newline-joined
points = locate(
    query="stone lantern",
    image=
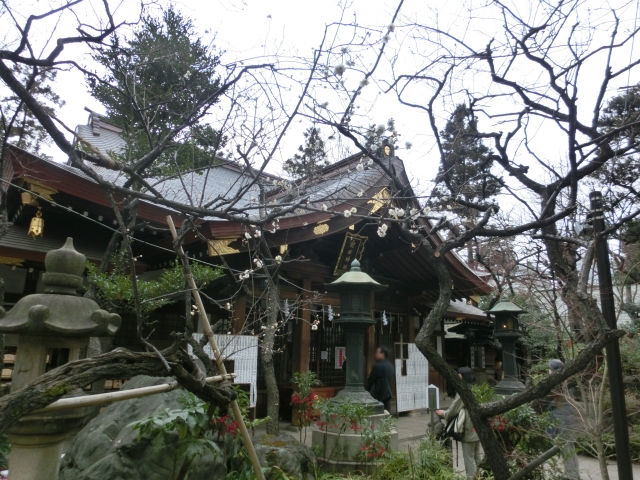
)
(355, 288)
(507, 330)
(55, 324)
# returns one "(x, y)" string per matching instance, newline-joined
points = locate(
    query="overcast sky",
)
(250, 29)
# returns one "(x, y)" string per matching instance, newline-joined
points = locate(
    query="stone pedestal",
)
(57, 322)
(341, 450)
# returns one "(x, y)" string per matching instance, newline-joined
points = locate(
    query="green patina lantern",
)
(356, 288)
(506, 330)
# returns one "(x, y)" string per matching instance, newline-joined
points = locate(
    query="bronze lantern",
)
(355, 288)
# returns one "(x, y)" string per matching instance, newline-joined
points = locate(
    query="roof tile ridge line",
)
(335, 168)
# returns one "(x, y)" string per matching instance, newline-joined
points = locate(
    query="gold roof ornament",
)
(36, 228)
(379, 200)
(220, 246)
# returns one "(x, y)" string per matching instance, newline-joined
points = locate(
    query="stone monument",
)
(55, 324)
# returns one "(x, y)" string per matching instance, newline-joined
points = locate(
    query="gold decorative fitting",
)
(36, 228)
(14, 262)
(352, 227)
(220, 246)
(44, 191)
(387, 150)
(283, 249)
(379, 200)
(321, 229)
(28, 199)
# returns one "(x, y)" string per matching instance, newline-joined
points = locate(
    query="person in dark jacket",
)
(381, 378)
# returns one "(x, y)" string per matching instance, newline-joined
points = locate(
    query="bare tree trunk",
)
(266, 358)
(602, 457)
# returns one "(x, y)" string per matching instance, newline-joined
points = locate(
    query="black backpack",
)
(450, 430)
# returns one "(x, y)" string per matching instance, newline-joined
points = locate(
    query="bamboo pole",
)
(206, 326)
(111, 397)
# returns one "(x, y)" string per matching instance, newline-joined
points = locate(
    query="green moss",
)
(58, 390)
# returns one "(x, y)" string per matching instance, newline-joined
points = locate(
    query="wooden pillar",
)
(302, 334)
(239, 314)
(409, 330)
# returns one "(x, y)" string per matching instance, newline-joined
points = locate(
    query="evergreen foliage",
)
(156, 82)
(311, 156)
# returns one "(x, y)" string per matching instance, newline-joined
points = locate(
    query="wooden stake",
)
(111, 397)
(206, 326)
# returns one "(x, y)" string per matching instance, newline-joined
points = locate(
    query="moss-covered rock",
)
(286, 453)
(107, 448)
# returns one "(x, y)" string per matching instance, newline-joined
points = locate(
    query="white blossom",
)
(384, 318)
(360, 167)
(370, 161)
(347, 213)
(278, 259)
(360, 193)
(391, 27)
(258, 262)
(414, 213)
(314, 327)
(187, 75)
(354, 209)
(339, 70)
(227, 306)
(364, 82)
(380, 129)
(257, 234)
(287, 312)
(324, 207)
(448, 207)
(386, 38)
(247, 235)
(426, 210)
(408, 145)
(330, 313)
(382, 232)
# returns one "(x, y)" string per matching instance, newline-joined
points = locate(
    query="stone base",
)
(509, 386)
(34, 457)
(341, 450)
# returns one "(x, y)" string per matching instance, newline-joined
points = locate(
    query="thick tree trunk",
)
(266, 358)
(490, 444)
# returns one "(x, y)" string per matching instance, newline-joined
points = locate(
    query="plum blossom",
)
(347, 213)
(384, 318)
(258, 262)
(247, 235)
(360, 167)
(324, 207)
(330, 313)
(382, 230)
(278, 259)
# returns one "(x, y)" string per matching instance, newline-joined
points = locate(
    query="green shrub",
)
(431, 460)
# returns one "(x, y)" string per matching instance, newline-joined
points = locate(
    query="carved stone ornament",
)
(60, 311)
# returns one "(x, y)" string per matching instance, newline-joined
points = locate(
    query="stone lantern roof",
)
(60, 311)
(505, 306)
(355, 277)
